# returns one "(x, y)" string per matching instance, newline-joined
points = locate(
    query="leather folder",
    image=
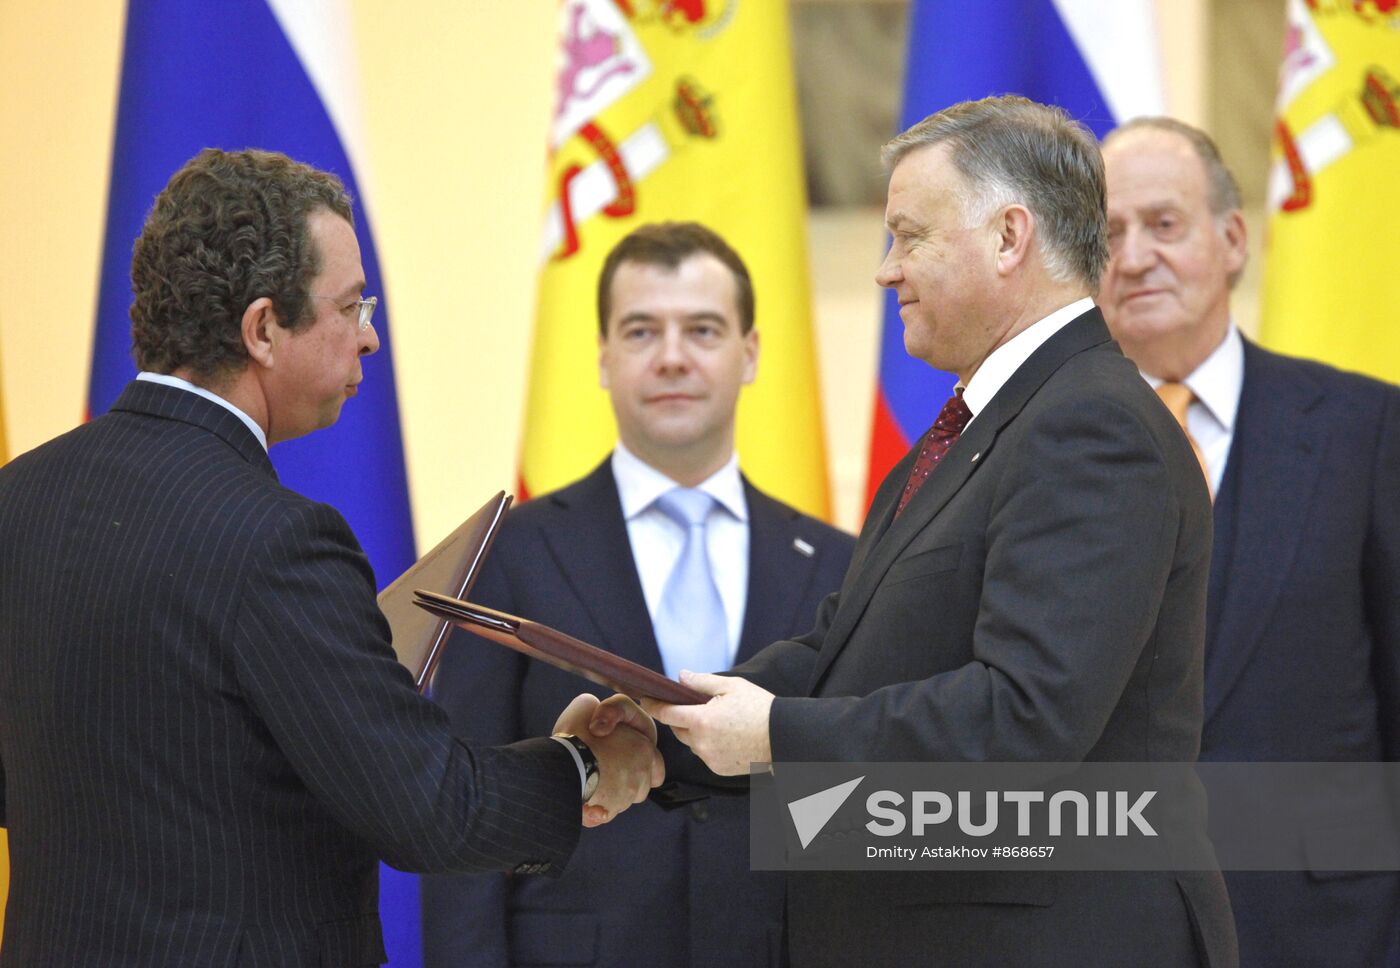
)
(422, 618)
(552, 646)
(452, 567)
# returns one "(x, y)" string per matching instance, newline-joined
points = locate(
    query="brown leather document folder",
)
(450, 567)
(552, 646)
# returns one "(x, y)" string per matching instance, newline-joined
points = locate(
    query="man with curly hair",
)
(207, 744)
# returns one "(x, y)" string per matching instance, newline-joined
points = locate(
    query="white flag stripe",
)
(320, 34)
(1118, 39)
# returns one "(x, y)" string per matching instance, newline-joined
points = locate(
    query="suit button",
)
(700, 812)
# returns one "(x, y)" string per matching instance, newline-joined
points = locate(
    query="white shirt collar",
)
(639, 484)
(165, 379)
(1007, 358)
(1218, 381)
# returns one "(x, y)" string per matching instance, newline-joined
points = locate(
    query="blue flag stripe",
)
(965, 51)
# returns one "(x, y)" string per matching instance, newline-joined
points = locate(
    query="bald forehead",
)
(1170, 152)
(1151, 141)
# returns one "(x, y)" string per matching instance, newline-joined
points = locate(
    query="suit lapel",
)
(779, 574)
(593, 553)
(892, 535)
(952, 473)
(1278, 468)
(880, 515)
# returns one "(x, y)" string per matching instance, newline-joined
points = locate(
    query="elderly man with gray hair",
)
(1029, 585)
(1303, 632)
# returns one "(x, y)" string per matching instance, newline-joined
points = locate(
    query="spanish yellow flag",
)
(1331, 288)
(675, 110)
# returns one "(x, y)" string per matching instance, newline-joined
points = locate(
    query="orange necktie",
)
(1178, 397)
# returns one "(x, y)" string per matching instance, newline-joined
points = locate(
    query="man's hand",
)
(623, 738)
(730, 731)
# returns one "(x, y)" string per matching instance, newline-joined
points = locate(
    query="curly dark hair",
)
(668, 244)
(229, 228)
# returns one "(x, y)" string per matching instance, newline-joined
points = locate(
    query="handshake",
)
(729, 734)
(623, 740)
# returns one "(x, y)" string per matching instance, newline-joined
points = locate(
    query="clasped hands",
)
(728, 733)
(623, 740)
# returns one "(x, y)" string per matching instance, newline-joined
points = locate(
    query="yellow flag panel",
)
(675, 111)
(1331, 281)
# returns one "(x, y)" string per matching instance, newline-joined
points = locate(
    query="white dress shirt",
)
(1216, 383)
(657, 540)
(1007, 358)
(166, 379)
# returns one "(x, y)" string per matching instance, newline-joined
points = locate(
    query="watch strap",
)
(584, 759)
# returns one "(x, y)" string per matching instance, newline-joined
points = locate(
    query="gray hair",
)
(1012, 150)
(1222, 190)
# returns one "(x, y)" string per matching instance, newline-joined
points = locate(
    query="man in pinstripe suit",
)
(206, 743)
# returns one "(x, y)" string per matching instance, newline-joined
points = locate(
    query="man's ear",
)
(750, 355)
(260, 331)
(1014, 226)
(1233, 232)
(603, 361)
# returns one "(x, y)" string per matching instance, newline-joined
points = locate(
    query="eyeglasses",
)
(366, 311)
(365, 307)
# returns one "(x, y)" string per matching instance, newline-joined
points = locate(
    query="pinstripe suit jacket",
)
(206, 743)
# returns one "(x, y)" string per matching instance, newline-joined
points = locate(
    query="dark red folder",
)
(421, 617)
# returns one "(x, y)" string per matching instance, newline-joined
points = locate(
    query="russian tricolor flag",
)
(1097, 59)
(279, 75)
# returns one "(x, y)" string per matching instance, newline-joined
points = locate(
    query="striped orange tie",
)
(1178, 397)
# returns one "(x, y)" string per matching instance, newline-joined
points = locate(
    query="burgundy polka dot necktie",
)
(942, 435)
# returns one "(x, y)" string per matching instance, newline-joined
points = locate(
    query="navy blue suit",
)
(206, 743)
(656, 886)
(1303, 632)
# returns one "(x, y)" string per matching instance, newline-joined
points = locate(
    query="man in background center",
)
(667, 556)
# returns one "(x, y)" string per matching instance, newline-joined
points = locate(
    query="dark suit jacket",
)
(207, 743)
(1303, 644)
(655, 886)
(1041, 598)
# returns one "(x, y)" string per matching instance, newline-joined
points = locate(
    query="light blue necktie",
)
(690, 624)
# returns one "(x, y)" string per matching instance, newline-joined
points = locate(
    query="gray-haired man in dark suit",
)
(1302, 657)
(1030, 581)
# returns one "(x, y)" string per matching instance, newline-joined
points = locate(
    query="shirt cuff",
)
(578, 762)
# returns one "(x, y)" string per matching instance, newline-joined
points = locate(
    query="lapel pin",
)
(802, 546)
(975, 456)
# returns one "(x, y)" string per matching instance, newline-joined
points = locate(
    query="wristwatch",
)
(585, 760)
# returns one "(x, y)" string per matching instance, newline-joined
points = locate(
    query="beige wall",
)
(457, 99)
(58, 81)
